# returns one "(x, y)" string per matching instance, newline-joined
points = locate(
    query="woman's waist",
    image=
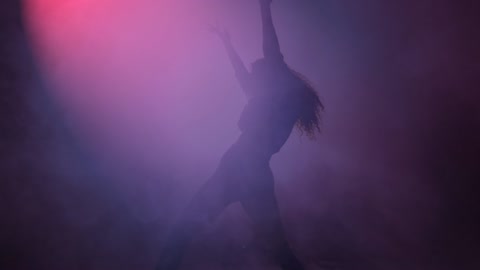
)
(270, 137)
(252, 145)
(257, 143)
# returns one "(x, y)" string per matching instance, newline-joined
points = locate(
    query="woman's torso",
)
(270, 115)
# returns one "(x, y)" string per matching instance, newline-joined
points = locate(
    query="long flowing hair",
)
(312, 108)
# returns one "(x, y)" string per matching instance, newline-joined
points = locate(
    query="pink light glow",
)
(131, 72)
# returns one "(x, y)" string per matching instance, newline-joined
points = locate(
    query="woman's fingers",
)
(266, 2)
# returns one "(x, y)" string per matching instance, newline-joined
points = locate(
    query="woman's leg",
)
(209, 201)
(261, 205)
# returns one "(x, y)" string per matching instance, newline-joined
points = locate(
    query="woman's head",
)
(261, 67)
(310, 107)
(266, 67)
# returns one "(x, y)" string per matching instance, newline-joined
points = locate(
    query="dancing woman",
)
(278, 100)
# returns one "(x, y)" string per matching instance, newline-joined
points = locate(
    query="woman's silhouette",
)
(278, 99)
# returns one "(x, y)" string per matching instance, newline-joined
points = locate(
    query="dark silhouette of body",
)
(279, 99)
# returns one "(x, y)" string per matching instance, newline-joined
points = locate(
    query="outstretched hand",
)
(266, 2)
(222, 33)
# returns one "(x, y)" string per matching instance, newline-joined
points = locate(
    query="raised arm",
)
(241, 72)
(271, 46)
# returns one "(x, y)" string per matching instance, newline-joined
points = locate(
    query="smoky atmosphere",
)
(239, 134)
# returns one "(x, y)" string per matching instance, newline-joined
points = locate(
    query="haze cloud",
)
(152, 103)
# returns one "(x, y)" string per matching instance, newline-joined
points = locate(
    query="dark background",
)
(60, 210)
